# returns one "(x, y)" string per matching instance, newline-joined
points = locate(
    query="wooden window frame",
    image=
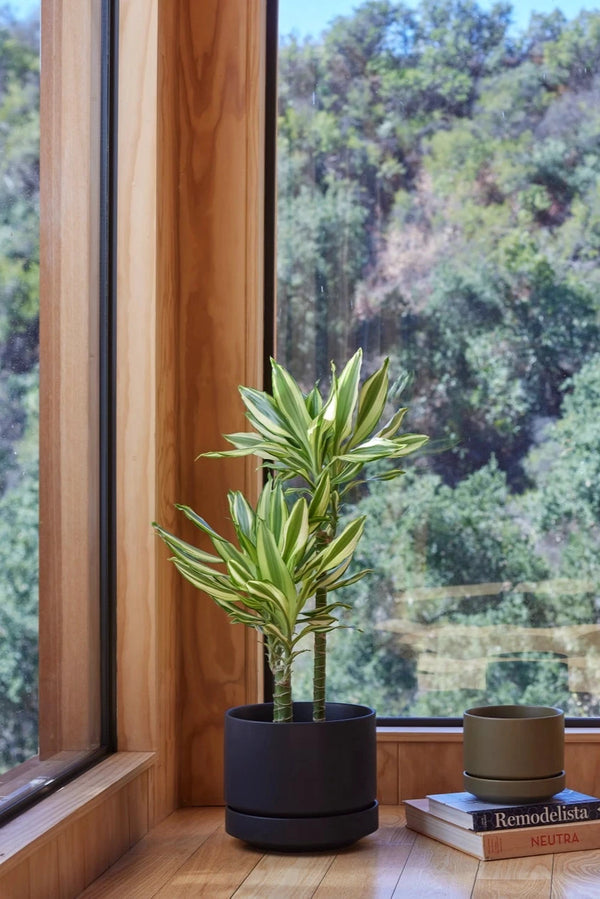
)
(189, 323)
(70, 731)
(69, 604)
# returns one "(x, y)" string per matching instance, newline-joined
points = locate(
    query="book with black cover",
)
(464, 809)
(494, 844)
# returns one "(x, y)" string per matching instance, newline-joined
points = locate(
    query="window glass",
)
(56, 481)
(19, 381)
(439, 203)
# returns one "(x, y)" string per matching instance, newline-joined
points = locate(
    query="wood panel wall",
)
(209, 332)
(412, 763)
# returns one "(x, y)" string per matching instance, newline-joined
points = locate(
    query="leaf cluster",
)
(266, 579)
(324, 441)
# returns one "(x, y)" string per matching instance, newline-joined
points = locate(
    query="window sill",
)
(43, 823)
(455, 734)
(419, 734)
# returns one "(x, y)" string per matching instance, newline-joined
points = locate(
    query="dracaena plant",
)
(267, 577)
(317, 447)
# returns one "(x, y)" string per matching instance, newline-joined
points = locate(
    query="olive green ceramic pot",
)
(514, 753)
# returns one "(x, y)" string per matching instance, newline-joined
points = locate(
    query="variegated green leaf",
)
(328, 578)
(347, 582)
(371, 404)
(320, 626)
(186, 549)
(290, 401)
(225, 549)
(284, 614)
(347, 474)
(371, 450)
(409, 443)
(314, 402)
(317, 437)
(198, 521)
(261, 452)
(295, 460)
(390, 475)
(272, 507)
(245, 443)
(329, 609)
(342, 546)
(245, 440)
(240, 574)
(271, 567)
(208, 585)
(393, 425)
(319, 503)
(242, 514)
(203, 572)
(239, 616)
(295, 534)
(270, 630)
(261, 411)
(329, 412)
(200, 570)
(347, 396)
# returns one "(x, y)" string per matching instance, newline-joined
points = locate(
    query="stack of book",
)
(566, 822)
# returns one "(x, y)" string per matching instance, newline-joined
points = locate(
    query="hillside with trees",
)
(439, 203)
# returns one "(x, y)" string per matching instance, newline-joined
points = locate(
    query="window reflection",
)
(439, 186)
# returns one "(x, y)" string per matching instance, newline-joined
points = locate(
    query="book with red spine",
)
(509, 843)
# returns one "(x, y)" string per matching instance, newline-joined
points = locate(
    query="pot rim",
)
(362, 712)
(514, 712)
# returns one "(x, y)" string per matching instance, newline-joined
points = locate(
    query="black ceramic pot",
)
(300, 785)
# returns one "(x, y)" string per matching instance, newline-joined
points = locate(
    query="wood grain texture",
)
(69, 267)
(41, 823)
(372, 868)
(233, 860)
(209, 326)
(138, 705)
(429, 768)
(156, 860)
(71, 871)
(388, 773)
(61, 845)
(147, 608)
(576, 874)
(514, 877)
(298, 878)
(582, 766)
(433, 871)
(44, 871)
(15, 884)
(189, 854)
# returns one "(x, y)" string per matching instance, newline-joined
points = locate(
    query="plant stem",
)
(282, 699)
(320, 663)
(280, 663)
(320, 645)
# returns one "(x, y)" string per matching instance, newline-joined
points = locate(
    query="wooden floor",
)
(190, 854)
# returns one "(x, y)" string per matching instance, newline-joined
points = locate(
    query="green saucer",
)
(533, 790)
